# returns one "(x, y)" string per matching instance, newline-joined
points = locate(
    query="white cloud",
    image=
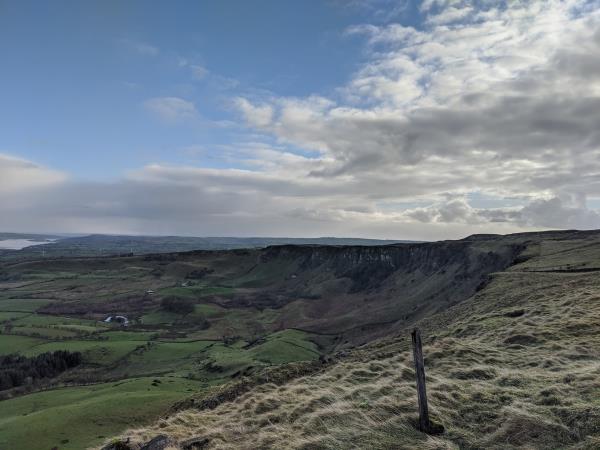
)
(171, 109)
(451, 14)
(199, 72)
(449, 211)
(560, 213)
(256, 115)
(159, 199)
(18, 175)
(139, 47)
(501, 100)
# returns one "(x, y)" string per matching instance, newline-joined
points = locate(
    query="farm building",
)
(122, 320)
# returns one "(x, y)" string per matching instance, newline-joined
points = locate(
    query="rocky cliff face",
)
(366, 292)
(368, 267)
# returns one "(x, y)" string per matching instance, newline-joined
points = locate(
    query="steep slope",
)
(513, 366)
(362, 293)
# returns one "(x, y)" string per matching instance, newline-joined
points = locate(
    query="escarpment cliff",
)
(362, 293)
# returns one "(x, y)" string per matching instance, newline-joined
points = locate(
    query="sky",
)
(398, 119)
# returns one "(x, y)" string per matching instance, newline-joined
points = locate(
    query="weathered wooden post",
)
(424, 423)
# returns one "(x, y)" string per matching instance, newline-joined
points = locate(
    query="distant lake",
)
(18, 244)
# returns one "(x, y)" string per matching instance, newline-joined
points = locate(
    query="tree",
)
(17, 370)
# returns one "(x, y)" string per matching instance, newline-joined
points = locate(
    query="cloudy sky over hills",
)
(398, 119)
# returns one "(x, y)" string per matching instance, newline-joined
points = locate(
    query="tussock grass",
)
(514, 367)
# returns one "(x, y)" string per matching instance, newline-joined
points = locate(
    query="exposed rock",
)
(160, 442)
(118, 445)
(521, 339)
(514, 313)
(195, 443)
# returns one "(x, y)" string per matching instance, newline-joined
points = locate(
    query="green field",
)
(48, 332)
(119, 335)
(17, 344)
(76, 417)
(47, 320)
(160, 317)
(23, 304)
(162, 357)
(71, 417)
(94, 352)
(6, 315)
(286, 346)
(63, 307)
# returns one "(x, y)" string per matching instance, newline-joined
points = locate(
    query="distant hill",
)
(109, 245)
(29, 236)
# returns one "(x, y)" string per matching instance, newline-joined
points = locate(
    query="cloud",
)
(556, 212)
(141, 48)
(255, 115)
(484, 97)
(496, 99)
(160, 199)
(171, 109)
(276, 196)
(223, 83)
(18, 175)
(199, 72)
(451, 211)
(451, 14)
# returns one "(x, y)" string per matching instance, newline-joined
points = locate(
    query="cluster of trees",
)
(17, 370)
(185, 306)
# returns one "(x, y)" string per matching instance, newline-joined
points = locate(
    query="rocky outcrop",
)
(160, 442)
(367, 267)
(195, 443)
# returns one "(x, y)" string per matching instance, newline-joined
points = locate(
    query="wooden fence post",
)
(424, 423)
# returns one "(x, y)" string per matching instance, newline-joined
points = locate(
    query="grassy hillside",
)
(75, 416)
(514, 366)
(206, 327)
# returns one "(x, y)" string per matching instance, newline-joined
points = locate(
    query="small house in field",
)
(121, 320)
(150, 292)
